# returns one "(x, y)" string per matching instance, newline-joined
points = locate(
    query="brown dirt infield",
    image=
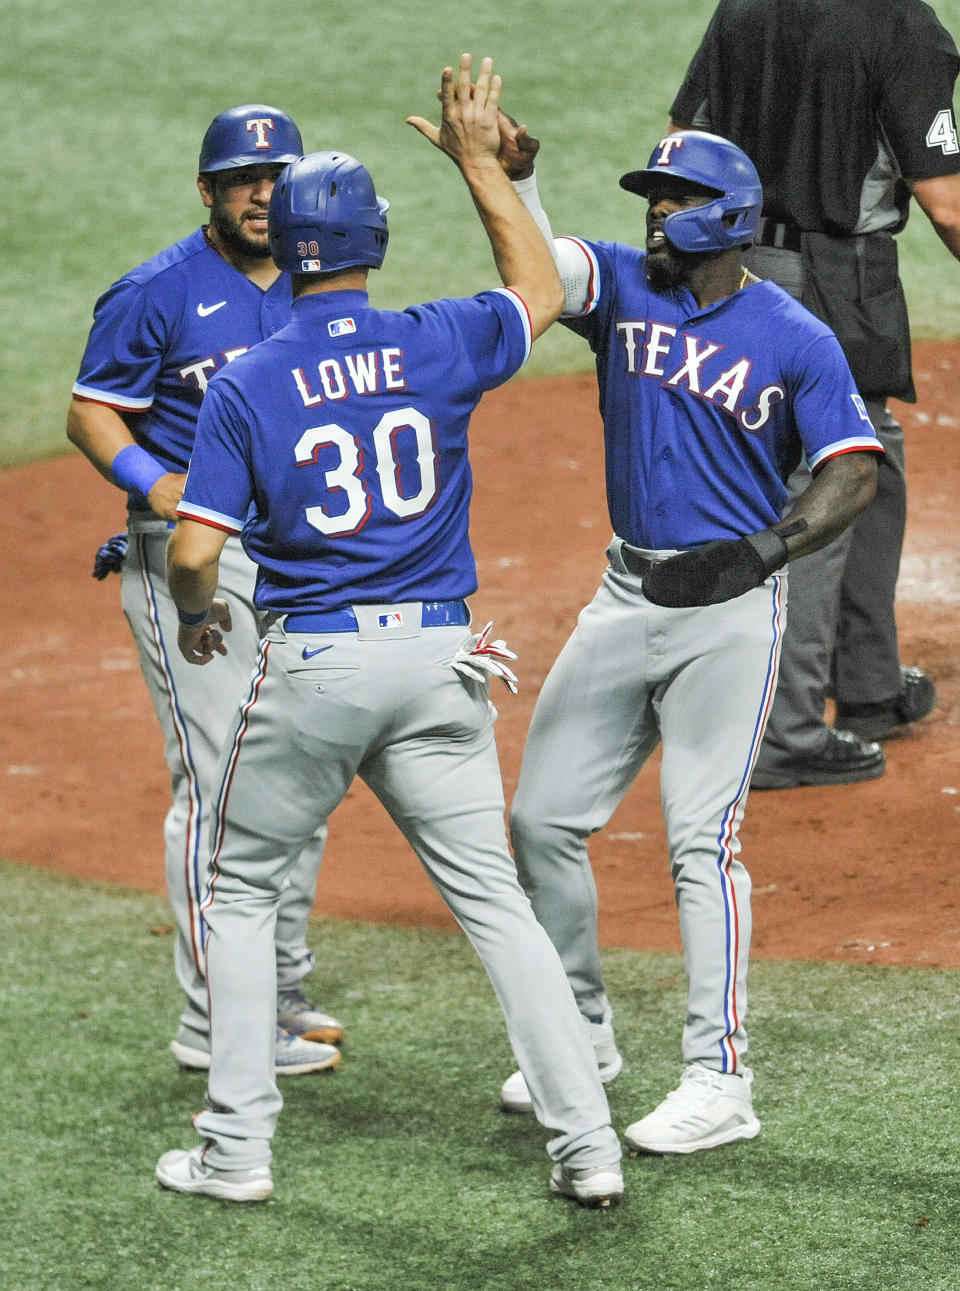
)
(861, 873)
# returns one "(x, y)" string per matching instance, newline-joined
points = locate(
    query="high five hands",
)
(473, 122)
(468, 132)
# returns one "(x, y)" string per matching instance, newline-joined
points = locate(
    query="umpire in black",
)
(846, 108)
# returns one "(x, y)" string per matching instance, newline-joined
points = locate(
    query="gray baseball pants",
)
(195, 707)
(633, 675)
(384, 704)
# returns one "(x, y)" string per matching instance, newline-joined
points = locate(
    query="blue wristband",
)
(135, 470)
(191, 620)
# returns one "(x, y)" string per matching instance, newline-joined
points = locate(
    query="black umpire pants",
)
(841, 634)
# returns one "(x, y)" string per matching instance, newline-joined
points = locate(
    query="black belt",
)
(785, 237)
(634, 563)
(433, 614)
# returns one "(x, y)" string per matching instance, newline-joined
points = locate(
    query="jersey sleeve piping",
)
(87, 394)
(521, 307)
(203, 515)
(855, 444)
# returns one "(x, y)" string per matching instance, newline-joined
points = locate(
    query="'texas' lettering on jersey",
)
(198, 373)
(647, 345)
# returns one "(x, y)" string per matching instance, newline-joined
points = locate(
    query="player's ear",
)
(206, 190)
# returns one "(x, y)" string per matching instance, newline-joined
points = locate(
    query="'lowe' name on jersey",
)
(373, 372)
(706, 412)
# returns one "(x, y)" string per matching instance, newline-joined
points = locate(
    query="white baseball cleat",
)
(514, 1095)
(186, 1171)
(293, 1056)
(706, 1110)
(597, 1186)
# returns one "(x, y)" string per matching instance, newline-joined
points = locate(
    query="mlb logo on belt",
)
(394, 620)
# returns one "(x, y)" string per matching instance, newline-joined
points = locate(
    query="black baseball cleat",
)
(843, 759)
(917, 697)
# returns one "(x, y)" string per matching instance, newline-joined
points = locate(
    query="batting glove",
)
(480, 658)
(110, 556)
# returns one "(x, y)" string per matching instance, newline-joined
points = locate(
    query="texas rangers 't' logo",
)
(666, 147)
(260, 125)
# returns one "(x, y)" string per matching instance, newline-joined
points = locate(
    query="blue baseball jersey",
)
(706, 411)
(347, 432)
(162, 331)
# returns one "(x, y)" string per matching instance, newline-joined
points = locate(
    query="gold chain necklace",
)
(743, 279)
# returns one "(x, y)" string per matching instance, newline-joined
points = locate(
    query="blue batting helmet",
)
(249, 135)
(726, 220)
(325, 214)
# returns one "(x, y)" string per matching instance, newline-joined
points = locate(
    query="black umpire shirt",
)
(834, 100)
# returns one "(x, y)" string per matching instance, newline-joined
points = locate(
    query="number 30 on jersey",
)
(402, 439)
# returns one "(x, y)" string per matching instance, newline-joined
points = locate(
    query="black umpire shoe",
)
(917, 697)
(843, 759)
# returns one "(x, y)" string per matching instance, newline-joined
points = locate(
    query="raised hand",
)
(468, 131)
(517, 148)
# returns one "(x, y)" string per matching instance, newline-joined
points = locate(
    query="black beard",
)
(671, 268)
(231, 234)
(665, 270)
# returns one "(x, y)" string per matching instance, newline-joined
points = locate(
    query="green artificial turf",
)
(397, 1172)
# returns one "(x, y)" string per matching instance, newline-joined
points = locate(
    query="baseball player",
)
(349, 431)
(158, 335)
(846, 107)
(710, 384)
